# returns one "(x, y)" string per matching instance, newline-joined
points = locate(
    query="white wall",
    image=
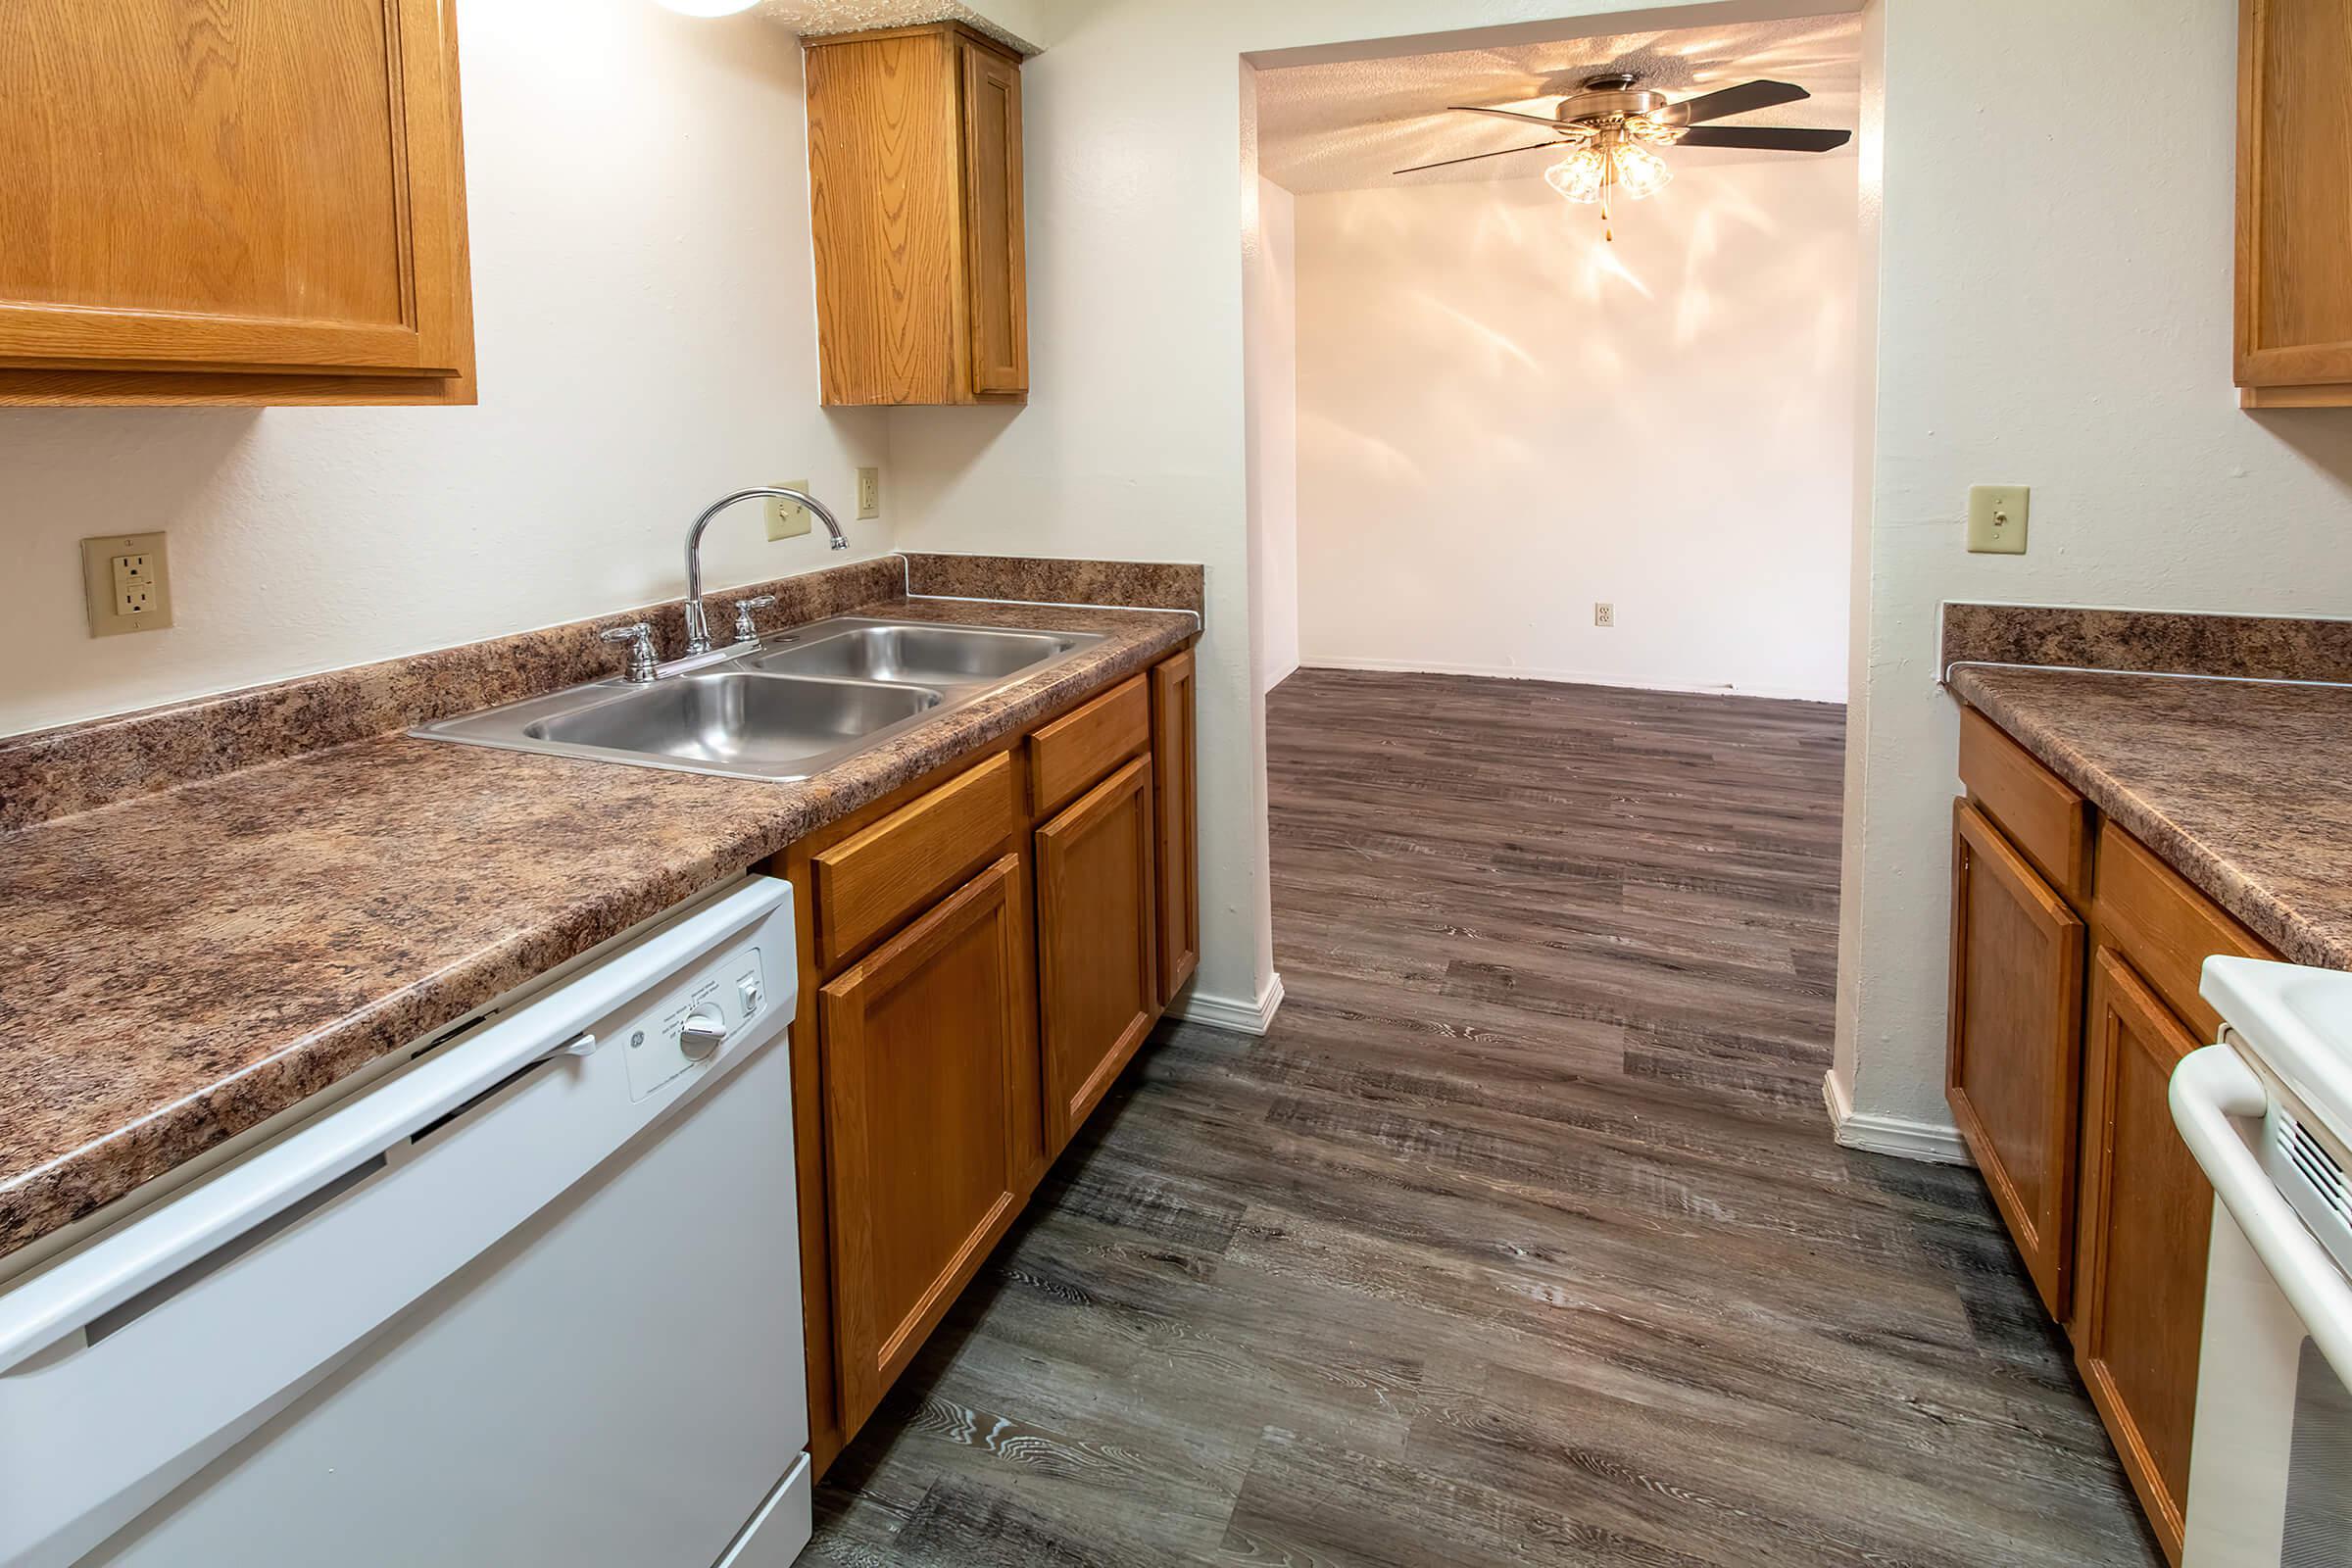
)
(1140, 182)
(1271, 313)
(2053, 287)
(638, 188)
(1505, 420)
(2054, 303)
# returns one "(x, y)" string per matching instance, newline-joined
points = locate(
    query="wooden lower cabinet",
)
(2011, 1069)
(2147, 1212)
(1175, 737)
(2059, 1076)
(935, 927)
(922, 1044)
(1098, 953)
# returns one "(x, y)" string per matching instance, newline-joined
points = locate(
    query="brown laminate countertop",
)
(2239, 785)
(179, 968)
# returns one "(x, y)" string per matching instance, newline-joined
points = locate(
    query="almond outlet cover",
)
(98, 557)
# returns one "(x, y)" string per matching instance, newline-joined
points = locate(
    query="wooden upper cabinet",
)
(2147, 1213)
(253, 202)
(2294, 202)
(914, 193)
(2012, 1072)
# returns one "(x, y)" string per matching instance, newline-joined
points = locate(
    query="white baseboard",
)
(1229, 1012)
(1571, 677)
(1898, 1136)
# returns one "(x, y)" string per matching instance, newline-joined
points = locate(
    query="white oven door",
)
(2269, 1472)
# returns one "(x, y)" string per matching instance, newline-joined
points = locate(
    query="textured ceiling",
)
(1349, 125)
(812, 17)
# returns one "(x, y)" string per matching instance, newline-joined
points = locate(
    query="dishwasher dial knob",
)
(703, 1033)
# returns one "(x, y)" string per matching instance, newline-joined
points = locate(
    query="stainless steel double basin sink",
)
(780, 708)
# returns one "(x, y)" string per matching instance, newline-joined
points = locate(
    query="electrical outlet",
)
(787, 519)
(126, 583)
(869, 493)
(1604, 615)
(1996, 519)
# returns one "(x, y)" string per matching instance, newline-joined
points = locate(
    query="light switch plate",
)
(787, 519)
(1996, 519)
(126, 583)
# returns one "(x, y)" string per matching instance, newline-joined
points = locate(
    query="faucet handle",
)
(745, 631)
(640, 638)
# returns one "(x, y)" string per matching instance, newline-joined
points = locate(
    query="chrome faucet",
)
(698, 624)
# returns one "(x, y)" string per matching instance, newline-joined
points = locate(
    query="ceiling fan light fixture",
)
(1580, 176)
(1639, 171)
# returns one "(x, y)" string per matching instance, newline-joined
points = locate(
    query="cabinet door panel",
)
(1173, 756)
(274, 185)
(1098, 971)
(2295, 201)
(992, 196)
(2013, 1067)
(884, 211)
(2147, 1213)
(922, 1046)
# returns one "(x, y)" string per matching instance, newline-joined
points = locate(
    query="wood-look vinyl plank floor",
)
(1520, 1240)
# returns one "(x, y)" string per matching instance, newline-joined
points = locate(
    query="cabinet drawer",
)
(1073, 753)
(2037, 810)
(2167, 928)
(872, 881)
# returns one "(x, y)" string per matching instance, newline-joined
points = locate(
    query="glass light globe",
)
(708, 8)
(1579, 176)
(1639, 171)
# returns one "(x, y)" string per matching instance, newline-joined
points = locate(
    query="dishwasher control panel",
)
(711, 1013)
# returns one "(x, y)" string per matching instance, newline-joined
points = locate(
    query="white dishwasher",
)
(532, 1297)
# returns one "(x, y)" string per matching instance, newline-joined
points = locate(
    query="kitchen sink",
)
(946, 656)
(737, 718)
(782, 707)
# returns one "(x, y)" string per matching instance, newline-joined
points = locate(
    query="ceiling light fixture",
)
(1610, 127)
(1612, 158)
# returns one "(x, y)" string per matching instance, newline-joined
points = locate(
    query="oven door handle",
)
(2211, 1089)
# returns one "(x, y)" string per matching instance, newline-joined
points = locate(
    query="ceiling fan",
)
(1611, 126)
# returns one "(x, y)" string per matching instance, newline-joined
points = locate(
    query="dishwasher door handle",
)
(150, 1247)
(2211, 1088)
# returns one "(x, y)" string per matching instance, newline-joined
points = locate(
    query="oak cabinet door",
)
(269, 195)
(915, 217)
(2294, 202)
(923, 1042)
(2013, 1069)
(1176, 800)
(2147, 1215)
(992, 217)
(1098, 961)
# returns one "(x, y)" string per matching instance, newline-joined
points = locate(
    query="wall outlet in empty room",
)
(787, 519)
(126, 583)
(1604, 615)
(869, 493)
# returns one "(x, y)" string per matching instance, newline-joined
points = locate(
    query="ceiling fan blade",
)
(1732, 101)
(1475, 157)
(1504, 114)
(1770, 139)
